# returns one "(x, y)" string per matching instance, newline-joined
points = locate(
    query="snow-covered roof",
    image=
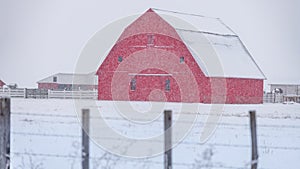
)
(194, 22)
(284, 84)
(220, 56)
(216, 48)
(69, 78)
(218, 51)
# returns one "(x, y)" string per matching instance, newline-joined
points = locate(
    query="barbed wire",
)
(183, 142)
(223, 114)
(158, 120)
(216, 165)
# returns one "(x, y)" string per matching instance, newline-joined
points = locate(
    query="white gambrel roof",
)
(69, 78)
(234, 60)
(216, 48)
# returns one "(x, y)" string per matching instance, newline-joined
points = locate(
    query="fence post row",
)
(4, 133)
(85, 138)
(168, 139)
(254, 157)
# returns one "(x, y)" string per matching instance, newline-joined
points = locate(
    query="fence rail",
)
(51, 94)
(72, 94)
(15, 93)
(90, 94)
(273, 98)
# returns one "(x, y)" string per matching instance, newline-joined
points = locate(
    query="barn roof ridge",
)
(162, 26)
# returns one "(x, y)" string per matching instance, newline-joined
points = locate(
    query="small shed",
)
(289, 92)
(69, 81)
(1, 83)
(286, 89)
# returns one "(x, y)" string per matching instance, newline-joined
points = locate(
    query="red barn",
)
(1, 83)
(177, 58)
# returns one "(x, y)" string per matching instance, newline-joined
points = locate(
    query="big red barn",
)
(177, 58)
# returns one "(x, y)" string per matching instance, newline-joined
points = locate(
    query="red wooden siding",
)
(1, 83)
(48, 86)
(57, 86)
(151, 64)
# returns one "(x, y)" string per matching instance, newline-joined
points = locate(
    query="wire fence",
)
(42, 119)
(76, 120)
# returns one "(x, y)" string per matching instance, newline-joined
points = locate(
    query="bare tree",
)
(28, 162)
(75, 153)
(204, 160)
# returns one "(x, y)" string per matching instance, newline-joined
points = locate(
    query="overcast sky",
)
(39, 38)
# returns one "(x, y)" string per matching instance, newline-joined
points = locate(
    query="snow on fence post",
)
(25, 93)
(49, 94)
(254, 157)
(4, 133)
(85, 154)
(168, 139)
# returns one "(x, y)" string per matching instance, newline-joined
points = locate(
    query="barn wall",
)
(243, 91)
(56, 86)
(1, 83)
(182, 87)
(48, 86)
(165, 44)
(207, 90)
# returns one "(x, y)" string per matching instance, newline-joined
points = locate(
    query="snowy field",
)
(46, 134)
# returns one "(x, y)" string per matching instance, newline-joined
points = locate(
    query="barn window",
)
(167, 85)
(133, 84)
(150, 39)
(54, 79)
(120, 59)
(181, 59)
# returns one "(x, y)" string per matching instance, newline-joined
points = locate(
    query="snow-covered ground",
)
(46, 134)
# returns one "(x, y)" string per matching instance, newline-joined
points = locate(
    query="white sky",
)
(39, 38)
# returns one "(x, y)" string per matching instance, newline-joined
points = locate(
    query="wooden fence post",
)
(168, 139)
(254, 157)
(85, 138)
(25, 93)
(4, 133)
